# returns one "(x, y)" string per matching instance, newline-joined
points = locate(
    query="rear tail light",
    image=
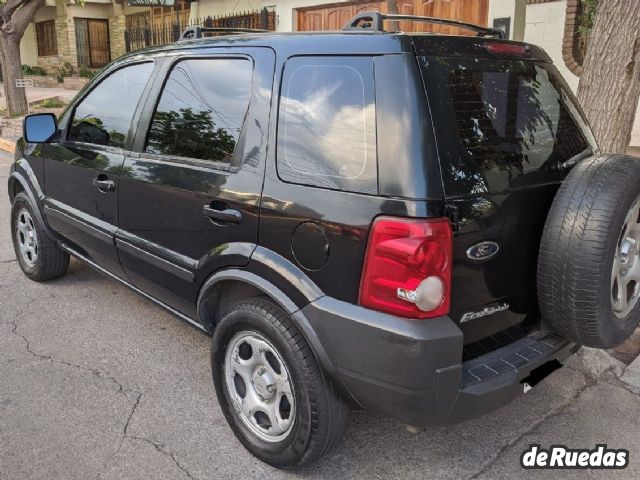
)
(407, 269)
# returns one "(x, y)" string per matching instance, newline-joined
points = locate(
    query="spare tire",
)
(589, 267)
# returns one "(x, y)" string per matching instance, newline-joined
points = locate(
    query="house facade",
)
(85, 36)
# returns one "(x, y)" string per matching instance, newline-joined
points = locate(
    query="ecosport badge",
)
(488, 310)
(483, 250)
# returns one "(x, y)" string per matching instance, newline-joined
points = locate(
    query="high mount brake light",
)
(507, 49)
(407, 268)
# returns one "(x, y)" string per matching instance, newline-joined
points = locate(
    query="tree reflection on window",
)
(202, 109)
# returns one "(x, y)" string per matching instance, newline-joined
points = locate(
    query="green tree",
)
(189, 134)
(15, 15)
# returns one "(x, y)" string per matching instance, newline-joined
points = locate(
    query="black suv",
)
(357, 217)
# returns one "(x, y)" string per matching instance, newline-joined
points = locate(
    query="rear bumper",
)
(413, 370)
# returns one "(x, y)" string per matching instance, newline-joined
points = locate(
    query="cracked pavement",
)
(98, 383)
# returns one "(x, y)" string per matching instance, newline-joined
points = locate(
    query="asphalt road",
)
(96, 382)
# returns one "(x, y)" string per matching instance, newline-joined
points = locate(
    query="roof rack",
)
(197, 31)
(374, 21)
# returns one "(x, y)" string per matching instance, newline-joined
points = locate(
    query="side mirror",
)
(39, 128)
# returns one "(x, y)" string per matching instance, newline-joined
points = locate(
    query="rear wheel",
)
(589, 265)
(271, 390)
(39, 256)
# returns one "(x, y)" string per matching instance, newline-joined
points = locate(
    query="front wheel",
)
(271, 390)
(39, 256)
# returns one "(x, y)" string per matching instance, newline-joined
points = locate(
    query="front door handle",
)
(226, 215)
(104, 184)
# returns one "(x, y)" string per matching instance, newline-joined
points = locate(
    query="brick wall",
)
(570, 37)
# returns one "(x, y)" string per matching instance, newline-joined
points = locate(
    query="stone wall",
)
(74, 83)
(117, 26)
(66, 44)
(43, 81)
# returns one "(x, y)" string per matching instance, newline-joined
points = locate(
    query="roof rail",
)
(374, 21)
(197, 31)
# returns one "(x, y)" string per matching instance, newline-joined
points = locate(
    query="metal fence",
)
(141, 36)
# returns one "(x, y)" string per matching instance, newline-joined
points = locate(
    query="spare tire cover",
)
(589, 264)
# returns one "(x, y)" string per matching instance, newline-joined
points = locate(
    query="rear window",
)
(326, 124)
(500, 124)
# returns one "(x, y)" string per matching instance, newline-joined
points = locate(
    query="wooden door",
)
(98, 43)
(167, 15)
(92, 42)
(335, 16)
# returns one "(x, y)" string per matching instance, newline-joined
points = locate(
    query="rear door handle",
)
(226, 215)
(104, 184)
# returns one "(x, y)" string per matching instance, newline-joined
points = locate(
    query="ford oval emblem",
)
(482, 250)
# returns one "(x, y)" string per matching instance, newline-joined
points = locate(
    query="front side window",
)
(202, 109)
(326, 124)
(104, 116)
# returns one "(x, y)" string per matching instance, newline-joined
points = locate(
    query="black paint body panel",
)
(300, 245)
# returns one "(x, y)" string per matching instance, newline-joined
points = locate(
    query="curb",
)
(7, 145)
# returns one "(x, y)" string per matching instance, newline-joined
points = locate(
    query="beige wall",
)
(545, 28)
(514, 9)
(28, 46)
(635, 132)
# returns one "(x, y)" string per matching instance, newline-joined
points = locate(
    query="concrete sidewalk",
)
(11, 127)
(37, 94)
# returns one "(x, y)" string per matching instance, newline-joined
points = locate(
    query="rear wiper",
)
(571, 162)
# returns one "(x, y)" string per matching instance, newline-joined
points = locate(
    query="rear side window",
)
(202, 109)
(500, 123)
(104, 116)
(326, 124)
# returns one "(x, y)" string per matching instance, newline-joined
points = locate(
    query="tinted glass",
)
(202, 109)
(326, 124)
(500, 123)
(105, 115)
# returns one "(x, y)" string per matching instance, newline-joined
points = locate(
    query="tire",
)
(317, 417)
(590, 222)
(39, 256)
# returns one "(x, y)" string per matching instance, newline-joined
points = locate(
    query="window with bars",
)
(46, 38)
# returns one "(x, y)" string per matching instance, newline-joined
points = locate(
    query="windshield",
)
(501, 124)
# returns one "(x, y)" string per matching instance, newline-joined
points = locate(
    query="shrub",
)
(29, 70)
(54, 102)
(86, 73)
(64, 70)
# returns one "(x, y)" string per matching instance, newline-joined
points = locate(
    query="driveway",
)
(96, 382)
